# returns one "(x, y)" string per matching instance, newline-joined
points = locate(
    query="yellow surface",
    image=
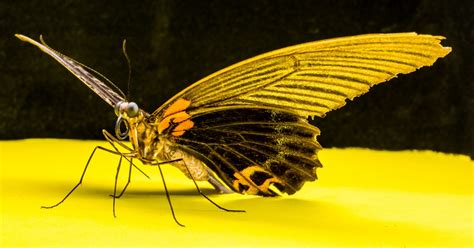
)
(363, 198)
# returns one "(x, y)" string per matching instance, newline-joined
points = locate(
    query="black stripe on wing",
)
(253, 148)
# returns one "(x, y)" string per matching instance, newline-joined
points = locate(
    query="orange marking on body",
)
(178, 106)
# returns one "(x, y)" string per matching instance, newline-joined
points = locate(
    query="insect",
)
(244, 128)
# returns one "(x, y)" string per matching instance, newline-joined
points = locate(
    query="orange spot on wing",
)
(178, 106)
(176, 114)
(164, 124)
(243, 177)
(183, 126)
(179, 117)
(178, 133)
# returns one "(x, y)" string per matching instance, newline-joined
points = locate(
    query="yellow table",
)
(363, 198)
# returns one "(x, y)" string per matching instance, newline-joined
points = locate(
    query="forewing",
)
(82, 72)
(316, 77)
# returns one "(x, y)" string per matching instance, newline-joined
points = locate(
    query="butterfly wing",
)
(82, 72)
(248, 122)
(316, 77)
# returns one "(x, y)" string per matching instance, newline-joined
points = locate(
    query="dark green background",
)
(174, 43)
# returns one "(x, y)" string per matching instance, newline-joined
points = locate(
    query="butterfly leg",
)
(83, 174)
(167, 193)
(114, 195)
(205, 196)
(112, 140)
(128, 181)
(115, 185)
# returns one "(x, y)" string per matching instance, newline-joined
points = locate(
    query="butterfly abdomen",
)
(196, 170)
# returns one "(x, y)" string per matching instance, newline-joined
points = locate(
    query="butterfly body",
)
(152, 145)
(246, 126)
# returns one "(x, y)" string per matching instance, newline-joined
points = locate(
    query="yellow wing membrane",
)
(313, 78)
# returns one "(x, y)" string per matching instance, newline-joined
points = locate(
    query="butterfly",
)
(245, 128)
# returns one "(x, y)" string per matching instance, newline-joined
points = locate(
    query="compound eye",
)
(132, 109)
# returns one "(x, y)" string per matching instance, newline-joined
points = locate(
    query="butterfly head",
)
(128, 109)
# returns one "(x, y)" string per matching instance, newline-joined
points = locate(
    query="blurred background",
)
(172, 44)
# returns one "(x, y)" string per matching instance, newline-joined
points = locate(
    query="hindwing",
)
(252, 148)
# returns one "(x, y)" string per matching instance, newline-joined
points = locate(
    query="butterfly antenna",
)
(124, 48)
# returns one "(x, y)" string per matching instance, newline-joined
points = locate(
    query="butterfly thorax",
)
(152, 147)
(145, 139)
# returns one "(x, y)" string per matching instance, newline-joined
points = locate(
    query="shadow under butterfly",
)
(245, 128)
